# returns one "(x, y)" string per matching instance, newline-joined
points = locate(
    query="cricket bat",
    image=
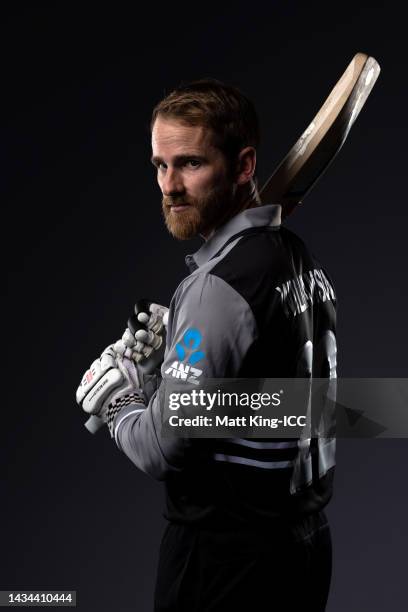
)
(313, 152)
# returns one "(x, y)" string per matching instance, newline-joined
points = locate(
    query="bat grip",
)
(133, 323)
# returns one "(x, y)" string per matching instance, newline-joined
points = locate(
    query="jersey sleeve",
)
(211, 328)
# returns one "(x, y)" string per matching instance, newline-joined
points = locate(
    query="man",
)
(246, 525)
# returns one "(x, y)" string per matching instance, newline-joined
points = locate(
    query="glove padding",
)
(111, 383)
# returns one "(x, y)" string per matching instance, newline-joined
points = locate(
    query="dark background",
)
(83, 238)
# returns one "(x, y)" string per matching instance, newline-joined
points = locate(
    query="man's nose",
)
(172, 182)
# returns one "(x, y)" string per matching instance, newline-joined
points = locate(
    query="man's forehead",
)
(171, 133)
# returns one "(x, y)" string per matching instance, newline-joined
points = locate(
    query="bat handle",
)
(94, 423)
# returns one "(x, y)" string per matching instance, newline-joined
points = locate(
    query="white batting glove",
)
(139, 344)
(137, 355)
(111, 383)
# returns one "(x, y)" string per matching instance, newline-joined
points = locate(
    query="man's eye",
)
(194, 163)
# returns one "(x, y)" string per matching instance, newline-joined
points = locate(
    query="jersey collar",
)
(253, 217)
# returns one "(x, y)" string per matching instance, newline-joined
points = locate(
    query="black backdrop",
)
(83, 237)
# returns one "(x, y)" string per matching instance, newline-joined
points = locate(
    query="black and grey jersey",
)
(256, 304)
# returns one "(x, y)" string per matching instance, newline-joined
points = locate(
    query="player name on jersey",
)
(300, 292)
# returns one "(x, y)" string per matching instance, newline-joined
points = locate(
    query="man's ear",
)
(246, 165)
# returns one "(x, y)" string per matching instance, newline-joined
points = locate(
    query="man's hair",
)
(215, 105)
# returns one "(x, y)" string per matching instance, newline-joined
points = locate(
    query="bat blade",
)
(312, 153)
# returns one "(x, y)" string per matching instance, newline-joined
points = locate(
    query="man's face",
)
(193, 177)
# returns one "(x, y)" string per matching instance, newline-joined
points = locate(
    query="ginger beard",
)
(202, 214)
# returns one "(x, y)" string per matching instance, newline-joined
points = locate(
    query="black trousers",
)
(283, 569)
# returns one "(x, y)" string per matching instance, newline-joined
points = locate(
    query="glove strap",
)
(117, 405)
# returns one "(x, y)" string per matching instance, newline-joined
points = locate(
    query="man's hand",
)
(133, 360)
(146, 333)
(112, 382)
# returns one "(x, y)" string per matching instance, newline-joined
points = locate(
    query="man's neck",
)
(244, 199)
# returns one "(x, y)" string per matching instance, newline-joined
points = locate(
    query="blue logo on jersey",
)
(191, 341)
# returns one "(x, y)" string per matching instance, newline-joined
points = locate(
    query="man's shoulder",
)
(269, 255)
(249, 270)
(204, 289)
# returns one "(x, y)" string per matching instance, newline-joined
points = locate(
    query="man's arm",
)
(211, 328)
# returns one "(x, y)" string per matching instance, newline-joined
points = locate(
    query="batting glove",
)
(111, 383)
(145, 334)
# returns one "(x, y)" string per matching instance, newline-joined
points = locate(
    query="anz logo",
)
(188, 354)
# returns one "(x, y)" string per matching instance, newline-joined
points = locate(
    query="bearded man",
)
(246, 525)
